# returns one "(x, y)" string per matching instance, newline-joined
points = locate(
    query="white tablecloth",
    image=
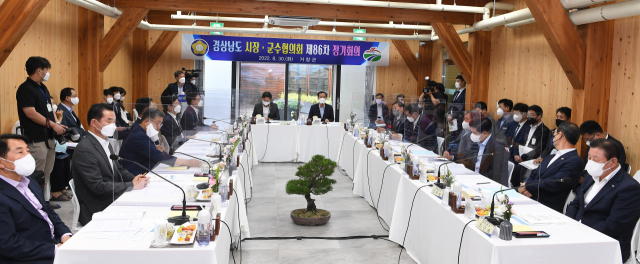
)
(156, 200)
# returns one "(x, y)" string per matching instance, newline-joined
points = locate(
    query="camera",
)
(188, 74)
(431, 86)
(70, 134)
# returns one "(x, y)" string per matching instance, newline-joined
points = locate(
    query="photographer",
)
(37, 117)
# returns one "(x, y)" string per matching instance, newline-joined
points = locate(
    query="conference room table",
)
(155, 200)
(434, 230)
(295, 143)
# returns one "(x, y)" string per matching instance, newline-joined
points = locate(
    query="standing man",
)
(504, 109)
(267, 109)
(37, 117)
(457, 105)
(69, 98)
(378, 112)
(179, 87)
(321, 109)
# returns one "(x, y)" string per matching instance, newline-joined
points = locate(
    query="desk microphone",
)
(219, 145)
(203, 185)
(495, 221)
(178, 220)
(441, 185)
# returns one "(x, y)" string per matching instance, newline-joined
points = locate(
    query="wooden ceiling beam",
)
(159, 47)
(408, 56)
(302, 9)
(16, 16)
(455, 48)
(121, 30)
(562, 36)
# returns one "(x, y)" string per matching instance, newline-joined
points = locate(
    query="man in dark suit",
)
(122, 127)
(179, 87)
(535, 140)
(31, 230)
(419, 128)
(399, 118)
(609, 199)
(591, 130)
(517, 129)
(191, 119)
(462, 147)
(321, 109)
(69, 98)
(491, 166)
(142, 104)
(141, 146)
(268, 107)
(98, 179)
(565, 163)
(563, 114)
(457, 105)
(505, 106)
(378, 112)
(171, 129)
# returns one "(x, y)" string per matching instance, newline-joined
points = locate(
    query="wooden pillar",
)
(159, 47)
(424, 60)
(16, 16)
(90, 79)
(140, 70)
(455, 48)
(592, 102)
(121, 30)
(407, 55)
(480, 49)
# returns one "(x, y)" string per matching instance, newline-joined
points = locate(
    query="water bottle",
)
(204, 227)
(224, 193)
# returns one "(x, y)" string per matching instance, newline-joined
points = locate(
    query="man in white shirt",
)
(609, 199)
(565, 163)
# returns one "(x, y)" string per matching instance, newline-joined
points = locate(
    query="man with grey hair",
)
(142, 145)
(180, 87)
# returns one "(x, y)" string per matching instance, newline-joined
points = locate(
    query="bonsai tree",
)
(314, 178)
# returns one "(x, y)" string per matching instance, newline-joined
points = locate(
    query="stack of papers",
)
(123, 225)
(529, 164)
(541, 219)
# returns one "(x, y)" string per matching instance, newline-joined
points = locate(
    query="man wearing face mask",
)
(563, 114)
(457, 105)
(191, 119)
(418, 128)
(31, 231)
(591, 130)
(142, 148)
(462, 147)
(98, 179)
(609, 199)
(69, 98)
(142, 104)
(565, 163)
(504, 109)
(517, 130)
(171, 129)
(37, 117)
(535, 141)
(378, 112)
(399, 118)
(112, 97)
(179, 87)
(321, 109)
(491, 166)
(267, 109)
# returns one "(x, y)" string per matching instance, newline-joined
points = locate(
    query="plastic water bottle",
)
(204, 227)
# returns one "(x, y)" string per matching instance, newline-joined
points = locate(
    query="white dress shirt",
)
(558, 154)
(175, 118)
(180, 88)
(265, 111)
(598, 185)
(459, 92)
(482, 145)
(531, 132)
(379, 111)
(105, 146)
(321, 111)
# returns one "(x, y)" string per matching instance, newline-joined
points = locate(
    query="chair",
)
(510, 167)
(440, 141)
(633, 259)
(637, 176)
(76, 207)
(572, 195)
(628, 169)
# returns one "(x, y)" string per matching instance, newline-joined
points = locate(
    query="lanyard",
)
(45, 95)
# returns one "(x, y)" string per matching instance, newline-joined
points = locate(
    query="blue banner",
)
(277, 50)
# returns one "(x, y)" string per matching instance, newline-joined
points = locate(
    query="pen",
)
(482, 183)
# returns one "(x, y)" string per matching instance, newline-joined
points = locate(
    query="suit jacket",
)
(622, 154)
(548, 148)
(541, 136)
(495, 166)
(398, 124)
(328, 112)
(462, 147)
(373, 114)
(67, 120)
(172, 89)
(120, 135)
(190, 120)
(520, 136)
(26, 235)
(503, 128)
(554, 194)
(170, 129)
(274, 113)
(614, 211)
(457, 105)
(94, 178)
(138, 147)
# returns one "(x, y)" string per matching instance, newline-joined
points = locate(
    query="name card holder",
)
(485, 226)
(437, 191)
(216, 230)
(453, 198)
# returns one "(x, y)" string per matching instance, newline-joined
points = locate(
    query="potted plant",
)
(313, 179)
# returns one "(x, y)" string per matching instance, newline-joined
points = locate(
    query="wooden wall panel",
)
(162, 72)
(625, 88)
(118, 73)
(52, 35)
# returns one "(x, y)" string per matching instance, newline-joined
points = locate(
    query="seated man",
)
(69, 98)
(565, 163)
(142, 148)
(591, 130)
(419, 129)
(462, 147)
(378, 112)
(563, 114)
(31, 230)
(609, 199)
(482, 108)
(266, 109)
(517, 130)
(191, 119)
(505, 106)
(491, 166)
(97, 185)
(536, 139)
(171, 129)
(321, 109)
(397, 126)
(142, 104)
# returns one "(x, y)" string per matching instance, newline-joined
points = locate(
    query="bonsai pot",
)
(310, 221)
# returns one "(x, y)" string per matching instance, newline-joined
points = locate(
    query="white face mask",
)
(457, 85)
(177, 109)
(152, 132)
(517, 118)
(193, 82)
(410, 119)
(465, 125)
(108, 130)
(200, 104)
(75, 100)
(109, 100)
(500, 112)
(474, 138)
(24, 166)
(55, 108)
(122, 99)
(322, 100)
(266, 103)
(595, 169)
(378, 101)
(181, 80)
(45, 77)
(116, 96)
(401, 100)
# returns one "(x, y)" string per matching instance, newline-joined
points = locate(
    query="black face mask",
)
(531, 120)
(558, 122)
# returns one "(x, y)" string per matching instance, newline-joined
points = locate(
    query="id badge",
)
(182, 98)
(49, 108)
(533, 141)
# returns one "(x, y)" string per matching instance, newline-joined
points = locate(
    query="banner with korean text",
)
(277, 50)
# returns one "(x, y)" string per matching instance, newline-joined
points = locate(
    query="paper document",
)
(118, 215)
(529, 164)
(112, 225)
(524, 150)
(541, 219)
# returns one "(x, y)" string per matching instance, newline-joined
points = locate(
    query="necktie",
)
(455, 96)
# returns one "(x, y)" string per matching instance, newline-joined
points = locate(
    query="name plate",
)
(437, 191)
(485, 226)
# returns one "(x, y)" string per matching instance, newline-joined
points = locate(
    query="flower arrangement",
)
(508, 205)
(448, 177)
(406, 154)
(293, 115)
(214, 178)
